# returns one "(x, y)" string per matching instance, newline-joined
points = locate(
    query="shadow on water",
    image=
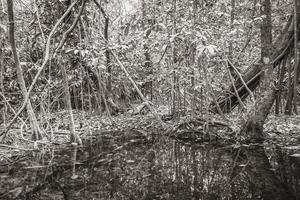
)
(134, 167)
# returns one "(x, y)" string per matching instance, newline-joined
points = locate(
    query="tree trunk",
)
(258, 167)
(232, 15)
(147, 63)
(174, 54)
(74, 138)
(3, 112)
(2, 33)
(266, 42)
(107, 53)
(296, 57)
(36, 134)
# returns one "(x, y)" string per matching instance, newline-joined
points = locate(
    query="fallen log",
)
(252, 76)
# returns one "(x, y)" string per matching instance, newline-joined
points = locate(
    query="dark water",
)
(134, 167)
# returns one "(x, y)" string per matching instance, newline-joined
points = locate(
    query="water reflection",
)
(133, 166)
(171, 170)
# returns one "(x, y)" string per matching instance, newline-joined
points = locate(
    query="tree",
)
(259, 167)
(74, 137)
(36, 133)
(2, 69)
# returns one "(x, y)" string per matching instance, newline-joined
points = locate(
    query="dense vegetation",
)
(136, 99)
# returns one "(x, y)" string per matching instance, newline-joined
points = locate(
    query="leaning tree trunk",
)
(36, 134)
(258, 167)
(253, 75)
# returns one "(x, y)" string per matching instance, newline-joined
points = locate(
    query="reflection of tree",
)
(264, 179)
(258, 167)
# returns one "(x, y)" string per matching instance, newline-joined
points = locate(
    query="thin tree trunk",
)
(2, 33)
(3, 112)
(74, 137)
(107, 53)
(289, 104)
(152, 110)
(231, 28)
(36, 134)
(280, 85)
(174, 52)
(296, 58)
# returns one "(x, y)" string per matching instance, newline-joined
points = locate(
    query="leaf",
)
(257, 19)
(35, 145)
(161, 25)
(296, 155)
(102, 67)
(200, 49)
(94, 61)
(201, 36)
(17, 191)
(212, 49)
(172, 38)
(232, 33)
(74, 176)
(292, 147)
(148, 31)
(84, 52)
(23, 63)
(3, 28)
(68, 50)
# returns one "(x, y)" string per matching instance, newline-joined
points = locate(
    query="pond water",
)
(134, 167)
(172, 170)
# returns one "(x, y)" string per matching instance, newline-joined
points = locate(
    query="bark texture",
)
(36, 134)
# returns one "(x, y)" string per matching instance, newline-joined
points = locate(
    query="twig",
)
(12, 109)
(18, 148)
(241, 78)
(66, 34)
(152, 110)
(234, 87)
(163, 54)
(39, 21)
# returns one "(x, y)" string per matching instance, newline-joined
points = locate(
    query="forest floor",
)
(280, 130)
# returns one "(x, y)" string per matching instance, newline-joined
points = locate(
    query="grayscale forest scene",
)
(149, 99)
